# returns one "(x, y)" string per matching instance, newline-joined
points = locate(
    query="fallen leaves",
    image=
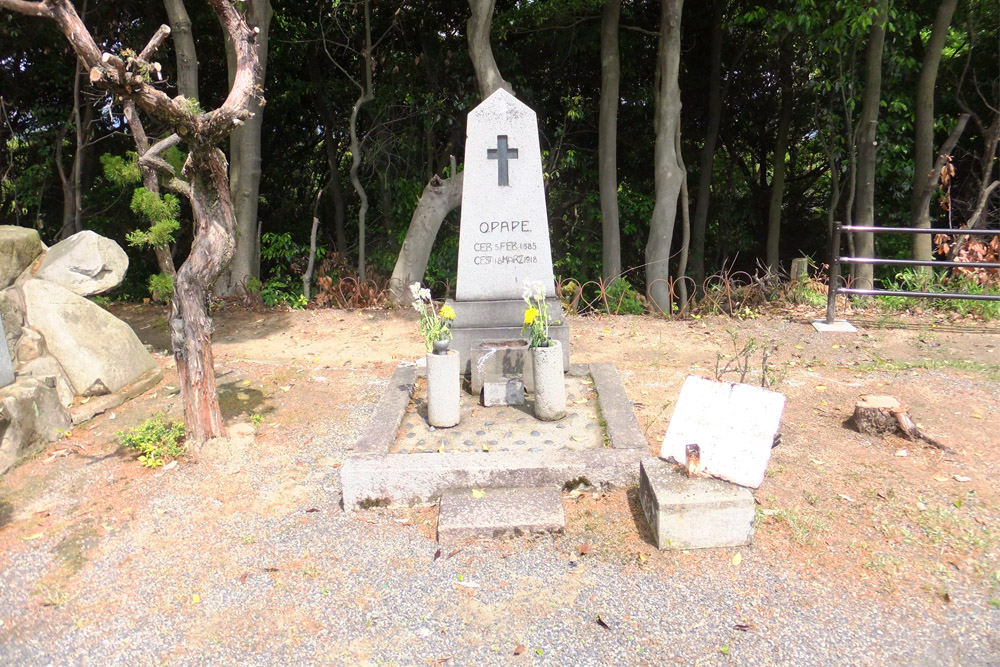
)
(519, 649)
(737, 559)
(478, 493)
(583, 549)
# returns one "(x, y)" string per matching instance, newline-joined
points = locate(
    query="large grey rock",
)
(99, 352)
(693, 512)
(11, 316)
(46, 366)
(86, 263)
(19, 246)
(30, 416)
(488, 513)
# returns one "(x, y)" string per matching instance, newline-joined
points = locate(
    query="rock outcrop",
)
(19, 246)
(57, 345)
(85, 263)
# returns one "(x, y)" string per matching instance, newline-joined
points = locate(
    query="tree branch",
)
(233, 112)
(154, 42)
(27, 8)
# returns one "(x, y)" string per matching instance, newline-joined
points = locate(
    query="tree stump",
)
(876, 415)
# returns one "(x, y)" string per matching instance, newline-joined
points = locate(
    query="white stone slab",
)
(733, 424)
(504, 237)
(838, 326)
(6, 367)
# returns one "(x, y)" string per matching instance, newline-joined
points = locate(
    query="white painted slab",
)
(838, 326)
(733, 424)
(6, 367)
(504, 235)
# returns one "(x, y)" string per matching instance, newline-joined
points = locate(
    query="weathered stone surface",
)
(6, 366)
(495, 358)
(30, 345)
(733, 424)
(498, 390)
(408, 479)
(19, 246)
(47, 367)
(30, 416)
(98, 352)
(693, 512)
(381, 429)
(504, 237)
(620, 421)
(12, 317)
(487, 513)
(85, 263)
(95, 406)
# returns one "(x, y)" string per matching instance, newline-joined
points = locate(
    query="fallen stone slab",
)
(95, 406)
(381, 429)
(85, 263)
(19, 246)
(495, 512)
(693, 512)
(413, 479)
(30, 416)
(99, 353)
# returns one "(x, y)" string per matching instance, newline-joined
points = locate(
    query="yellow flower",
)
(529, 315)
(447, 312)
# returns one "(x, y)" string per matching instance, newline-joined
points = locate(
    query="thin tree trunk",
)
(307, 276)
(367, 95)
(607, 150)
(867, 147)
(244, 160)
(333, 186)
(480, 51)
(80, 143)
(681, 281)
(706, 159)
(778, 168)
(186, 55)
(923, 125)
(668, 174)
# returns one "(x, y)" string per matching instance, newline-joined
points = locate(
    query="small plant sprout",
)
(155, 439)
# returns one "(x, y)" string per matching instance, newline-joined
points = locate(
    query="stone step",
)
(487, 513)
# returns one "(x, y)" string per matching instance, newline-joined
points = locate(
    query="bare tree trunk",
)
(778, 168)
(244, 162)
(186, 55)
(607, 147)
(682, 291)
(439, 198)
(307, 276)
(668, 174)
(367, 95)
(706, 159)
(480, 51)
(334, 186)
(923, 126)
(867, 148)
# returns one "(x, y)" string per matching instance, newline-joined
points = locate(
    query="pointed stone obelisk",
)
(504, 233)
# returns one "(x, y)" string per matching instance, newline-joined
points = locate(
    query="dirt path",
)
(862, 554)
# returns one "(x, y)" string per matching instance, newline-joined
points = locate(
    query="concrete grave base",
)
(475, 514)
(498, 390)
(375, 476)
(693, 513)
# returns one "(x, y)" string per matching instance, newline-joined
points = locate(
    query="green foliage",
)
(281, 287)
(161, 212)
(122, 171)
(622, 299)
(912, 280)
(161, 287)
(155, 439)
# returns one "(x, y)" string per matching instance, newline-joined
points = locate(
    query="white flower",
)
(418, 306)
(425, 295)
(415, 291)
(526, 294)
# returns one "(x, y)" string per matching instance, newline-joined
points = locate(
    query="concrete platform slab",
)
(838, 326)
(693, 513)
(495, 512)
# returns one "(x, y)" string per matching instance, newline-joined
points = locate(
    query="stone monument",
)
(504, 233)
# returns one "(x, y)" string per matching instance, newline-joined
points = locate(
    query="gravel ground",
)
(249, 559)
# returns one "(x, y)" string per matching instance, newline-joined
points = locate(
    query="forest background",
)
(789, 115)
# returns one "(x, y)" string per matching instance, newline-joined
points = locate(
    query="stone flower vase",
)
(443, 389)
(550, 382)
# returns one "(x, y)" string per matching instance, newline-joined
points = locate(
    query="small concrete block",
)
(499, 511)
(498, 390)
(693, 513)
(838, 326)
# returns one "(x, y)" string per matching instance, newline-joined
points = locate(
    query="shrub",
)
(155, 439)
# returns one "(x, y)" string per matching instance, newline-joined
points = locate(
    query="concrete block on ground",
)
(381, 430)
(499, 391)
(495, 512)
(838, 326)
(693, 513)
(620, 421)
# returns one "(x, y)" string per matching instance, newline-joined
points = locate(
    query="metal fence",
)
(836, 261)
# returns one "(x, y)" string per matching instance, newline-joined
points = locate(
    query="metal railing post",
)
(834, 280)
